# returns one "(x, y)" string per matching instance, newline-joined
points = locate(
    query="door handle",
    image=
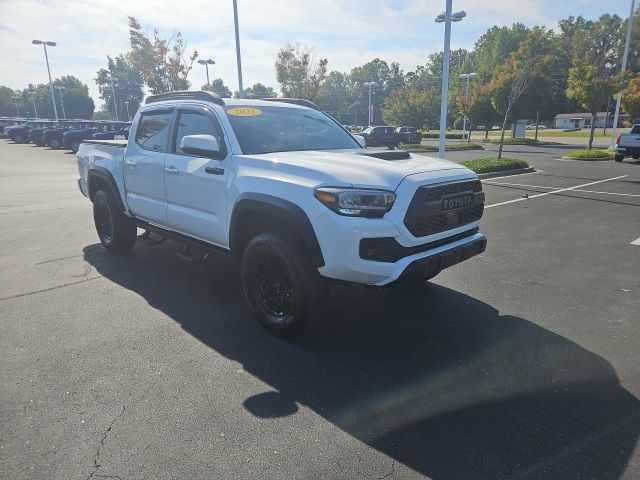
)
(214, 170)
(130, 163)
(172, 170)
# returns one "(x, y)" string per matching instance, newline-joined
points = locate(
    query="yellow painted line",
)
(555, 191)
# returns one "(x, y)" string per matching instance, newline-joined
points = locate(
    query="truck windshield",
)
(282, 129)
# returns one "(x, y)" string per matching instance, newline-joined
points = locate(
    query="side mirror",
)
(202, 146)
(361, 140)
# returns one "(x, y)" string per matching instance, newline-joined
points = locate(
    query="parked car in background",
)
(496, 127)
(533, 127)
(20, 133)
(113, 131)
(409, 135)
(628, 144)
(9, 121)
(381, 136)
(53, 137)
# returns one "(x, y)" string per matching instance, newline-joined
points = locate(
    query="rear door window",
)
(153, 131)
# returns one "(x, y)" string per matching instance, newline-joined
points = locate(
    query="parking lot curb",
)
(505, 173)
(597, 159)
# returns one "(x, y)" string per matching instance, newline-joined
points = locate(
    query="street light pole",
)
(447, 17)
(46, 57)
(60, 90)
(206, 63)
(235, 18)
(370, 85)
(128, 114)
(467, 77)
(624, 67)
(113, 93)
(15, 99)
(33, 97)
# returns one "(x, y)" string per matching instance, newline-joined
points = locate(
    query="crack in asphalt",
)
(392, 472)
(96, 459)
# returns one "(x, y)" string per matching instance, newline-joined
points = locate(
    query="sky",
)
(347, 33)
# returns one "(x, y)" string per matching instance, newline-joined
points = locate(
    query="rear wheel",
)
(18, 138)
(75, 146)
(282, 287)
(37, 142)
(619, 158)
(117, 232)
(54, 143)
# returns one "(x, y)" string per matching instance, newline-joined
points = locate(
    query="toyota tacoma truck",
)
(628, 144)
(285, 189)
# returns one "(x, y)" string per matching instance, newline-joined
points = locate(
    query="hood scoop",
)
(388, 155)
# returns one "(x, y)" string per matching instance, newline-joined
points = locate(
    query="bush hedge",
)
(433, 148)
(448, 136)
(590, 154)
(494, 164)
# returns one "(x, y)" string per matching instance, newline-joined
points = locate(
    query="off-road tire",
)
(116, 231)
(54, 143)
(619, 158)
(299, 288)
(18, 138)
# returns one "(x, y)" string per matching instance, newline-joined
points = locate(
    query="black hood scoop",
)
(387, 155)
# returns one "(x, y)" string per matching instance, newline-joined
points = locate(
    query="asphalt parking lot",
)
(522, 363)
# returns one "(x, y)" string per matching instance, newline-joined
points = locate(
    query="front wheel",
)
(282, 287)
(75, 146)
(54, 143)
(117, 232)
(18, 139)
(619, 158)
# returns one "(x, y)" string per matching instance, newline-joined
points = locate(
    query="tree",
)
(297, 72)
(218, 86)
(7, 103)
(531, 62)
(338, 99)
(479, 107)
(127, 83)
(162, 62)
(77, 102)
(258, 90)
(411, 106)
(591, 85)
(631, 98)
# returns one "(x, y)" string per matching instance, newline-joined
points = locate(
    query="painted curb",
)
(505, 173)
(597, 159)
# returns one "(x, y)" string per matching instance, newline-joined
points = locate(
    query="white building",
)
(583, 120)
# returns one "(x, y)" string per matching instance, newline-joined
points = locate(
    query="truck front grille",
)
(425, 215)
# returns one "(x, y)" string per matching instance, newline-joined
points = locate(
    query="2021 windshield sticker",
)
(244, 112)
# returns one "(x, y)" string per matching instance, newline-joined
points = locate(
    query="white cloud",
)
(347, 33)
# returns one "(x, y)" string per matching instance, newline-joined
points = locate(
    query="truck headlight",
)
(356, 202)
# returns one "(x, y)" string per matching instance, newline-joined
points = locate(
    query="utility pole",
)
(113, 93)
(624, 67)
(15, 99)
(60, 90)
(235, 18)
(33, 97)
(370, 85)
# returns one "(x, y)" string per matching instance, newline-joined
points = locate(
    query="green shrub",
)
(518, 141)
(494, 164)
(590, 154)
(448, 136)
(434, 148)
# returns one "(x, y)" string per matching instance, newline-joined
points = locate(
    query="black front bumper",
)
(431, 265)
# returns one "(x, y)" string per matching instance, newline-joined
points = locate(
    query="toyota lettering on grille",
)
(456, 201)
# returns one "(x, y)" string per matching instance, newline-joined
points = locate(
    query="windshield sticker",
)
(244, 112)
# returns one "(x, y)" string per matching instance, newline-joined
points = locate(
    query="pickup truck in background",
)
(628, 144)
(54, 137)
(114, 131)
(287, 191)
(381, 136)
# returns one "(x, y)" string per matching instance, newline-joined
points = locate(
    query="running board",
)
(150, 238)
(191, 256)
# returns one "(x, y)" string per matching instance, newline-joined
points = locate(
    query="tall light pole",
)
(624, 67)
(60, 90)
(206, 64)
(15, 99)
(447, 17)
(44, 43)
(370, 85)
(467, 77)
(33, 97)
(113, 94)
(235, 18)
(128, 115)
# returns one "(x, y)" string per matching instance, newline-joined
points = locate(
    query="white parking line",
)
(555, 191)
(636, 242)
(609, 193)
(521, 185)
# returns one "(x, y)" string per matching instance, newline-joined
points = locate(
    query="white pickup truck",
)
(628, 144)
(285, 189)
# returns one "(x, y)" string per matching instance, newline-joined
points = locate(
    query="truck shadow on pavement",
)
(433, 378)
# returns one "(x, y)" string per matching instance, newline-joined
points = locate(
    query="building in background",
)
(583, 120)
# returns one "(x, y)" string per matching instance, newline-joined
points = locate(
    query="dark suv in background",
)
(113, 131)
(53, 137)
(381, 136)
(409, 135)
